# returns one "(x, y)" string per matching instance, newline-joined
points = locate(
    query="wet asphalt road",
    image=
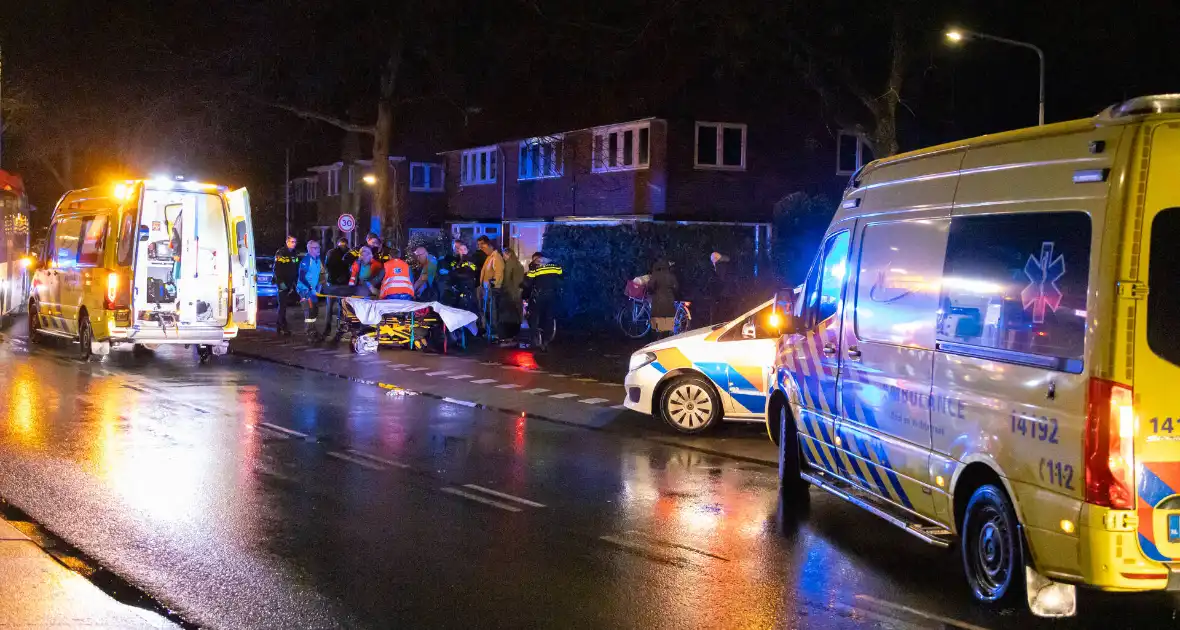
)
(196, 484)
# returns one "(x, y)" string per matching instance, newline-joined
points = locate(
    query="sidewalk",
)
(512, 382)
(38, 592)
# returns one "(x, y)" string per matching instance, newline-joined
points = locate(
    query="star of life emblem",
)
(1042, 293)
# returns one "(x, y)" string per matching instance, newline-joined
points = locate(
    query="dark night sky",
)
(488, 69)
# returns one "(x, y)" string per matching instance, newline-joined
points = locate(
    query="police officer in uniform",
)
(542, 288)
(381, 254)
(462, 277)
(286, 273)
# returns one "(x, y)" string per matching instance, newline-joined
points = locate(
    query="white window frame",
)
(861, 145)
(719, 128)
(598, 162)
(469, 161)
(313, 188)
(429, 177)
(333, 182)
(295, 190)
(540, 167)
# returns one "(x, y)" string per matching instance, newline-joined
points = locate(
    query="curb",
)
(497, 408)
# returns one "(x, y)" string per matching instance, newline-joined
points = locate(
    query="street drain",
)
(73, 559)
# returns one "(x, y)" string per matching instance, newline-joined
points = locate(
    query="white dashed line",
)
(559, 375)
(380, 460)
(355, 460)
(921, 613)
(417, 369)
(438, 373)
(507, 386)
(283, 430)
(492, 363)
(586, 380)
(459, 377)
(538, 390)
(478, 499)
(465, 403)
(484, 381)
(504, 495)
(562, 396)
(592, 401)
(398, 366)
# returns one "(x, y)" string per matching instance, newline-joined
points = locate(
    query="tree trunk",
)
(884, 136)
(385, 201)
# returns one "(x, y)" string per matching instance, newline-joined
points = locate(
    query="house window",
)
(621, 148)
(295, 190)
(312, 184)
(541, 157)
(478, 166)
(425, 177)
(852, 152)
(721, 146)
(334, 182)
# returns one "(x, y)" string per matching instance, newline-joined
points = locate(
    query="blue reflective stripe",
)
(1150, 550)
(815, 442)
(827, 439)
(869, 462)
(754, 403)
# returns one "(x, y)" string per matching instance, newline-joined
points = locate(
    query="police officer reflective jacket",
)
(286, 268)
(543, 282)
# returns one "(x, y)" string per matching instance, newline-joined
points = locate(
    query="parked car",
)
(267, 289)
(696, 379)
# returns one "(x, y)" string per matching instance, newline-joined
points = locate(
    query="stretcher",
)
(402, 323)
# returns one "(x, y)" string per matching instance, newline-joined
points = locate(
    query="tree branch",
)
(324, 118)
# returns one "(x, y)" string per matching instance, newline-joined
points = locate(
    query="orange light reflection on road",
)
(29, 400)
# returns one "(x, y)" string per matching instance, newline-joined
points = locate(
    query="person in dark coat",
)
(511, 310)
(285, 273)
(717, 289)
(663, 289)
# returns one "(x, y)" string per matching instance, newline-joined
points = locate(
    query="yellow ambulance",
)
(147, 262)
(986, 353)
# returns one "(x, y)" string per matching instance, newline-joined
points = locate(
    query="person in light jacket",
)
(491, 279)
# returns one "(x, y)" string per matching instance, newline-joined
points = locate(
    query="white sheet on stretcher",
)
(370, 312)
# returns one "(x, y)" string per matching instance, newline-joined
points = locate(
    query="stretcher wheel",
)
(365, 344)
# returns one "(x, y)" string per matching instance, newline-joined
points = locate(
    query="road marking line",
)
(490, 363)
(459, 377)
(484, 381)
(592, 401)
(478, 499)
(665, 543)
(380, 460)
(649, 551)
(619, 407)
(921, 613)
(565, 395)
(283, 430)
(558, 375)
(465, 403)
(537, 390)
(586, 380)
(397, 366)
(417, 369)
(355, 460)
(507, 386)
(438, 373)
(504, 495)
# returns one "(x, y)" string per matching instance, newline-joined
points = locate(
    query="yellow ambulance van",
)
(986, 354)
(147, 262)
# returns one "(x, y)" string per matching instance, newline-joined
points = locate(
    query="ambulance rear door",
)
(1156, 381)
(244, 274)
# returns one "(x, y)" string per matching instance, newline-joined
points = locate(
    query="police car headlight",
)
(640, 359)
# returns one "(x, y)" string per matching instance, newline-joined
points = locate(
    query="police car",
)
(696, 379)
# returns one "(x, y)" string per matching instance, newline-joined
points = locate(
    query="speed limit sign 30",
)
(346, 223)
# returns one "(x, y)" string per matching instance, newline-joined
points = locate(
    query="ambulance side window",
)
(898, 277)
(94, 236)
(66, 238)
(1017, 283)
(825, 283)
(1163, 302)
(127, 234)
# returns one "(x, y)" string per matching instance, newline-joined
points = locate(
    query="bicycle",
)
(635, 317)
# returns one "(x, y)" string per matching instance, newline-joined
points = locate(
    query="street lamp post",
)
(957, 35)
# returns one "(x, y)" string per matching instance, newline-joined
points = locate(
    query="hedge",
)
(599, 260)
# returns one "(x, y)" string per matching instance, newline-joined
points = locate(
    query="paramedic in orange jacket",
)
(397, 284)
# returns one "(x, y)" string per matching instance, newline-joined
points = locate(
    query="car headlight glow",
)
(640, 359)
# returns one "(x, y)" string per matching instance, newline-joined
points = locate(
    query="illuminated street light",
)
(959, 35)
(370, 179)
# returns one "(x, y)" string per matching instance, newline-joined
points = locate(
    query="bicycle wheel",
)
(634, 319)
(683, 319)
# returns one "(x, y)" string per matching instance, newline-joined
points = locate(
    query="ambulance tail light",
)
(1110, 446)
(114, 295)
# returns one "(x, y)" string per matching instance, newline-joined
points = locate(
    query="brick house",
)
(330, 190)
(718, 170)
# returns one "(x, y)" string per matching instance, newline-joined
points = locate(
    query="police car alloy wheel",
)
(690, 406)
(991, 546)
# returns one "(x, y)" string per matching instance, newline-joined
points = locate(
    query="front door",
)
(68, 276)
(811, 355)
(1157, 355)
(747, 352)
